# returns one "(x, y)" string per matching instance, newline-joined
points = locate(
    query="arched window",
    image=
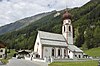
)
(64, 28)
(37, 43)
(37, 56)
(1, 50)
(0, 56)
(53, 52)
(69, 28)
(58, 52)
(69, 51)
(75, 55)
(69, 21)
(68, 56)
(65, 52)
(79, 56)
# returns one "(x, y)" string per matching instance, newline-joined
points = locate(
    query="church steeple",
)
(67, 29)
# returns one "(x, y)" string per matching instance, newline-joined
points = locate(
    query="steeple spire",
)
(66, 15)
(67, 30)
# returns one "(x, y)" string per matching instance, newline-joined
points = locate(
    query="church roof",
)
(73, 48)
(53, 39)
(66, 15)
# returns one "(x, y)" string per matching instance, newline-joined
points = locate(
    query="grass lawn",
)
(5, 61)
(93, 52)
(86, 63)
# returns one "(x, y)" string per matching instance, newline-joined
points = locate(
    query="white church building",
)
(57, 46)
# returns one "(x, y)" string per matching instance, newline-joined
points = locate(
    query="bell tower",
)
(67, 29)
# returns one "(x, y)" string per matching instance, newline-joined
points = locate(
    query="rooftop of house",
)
(2, 45)
(74, 48)
(53, 39)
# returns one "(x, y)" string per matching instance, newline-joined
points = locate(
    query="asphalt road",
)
(20, 62)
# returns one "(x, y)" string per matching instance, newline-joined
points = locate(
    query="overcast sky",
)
(12, 10)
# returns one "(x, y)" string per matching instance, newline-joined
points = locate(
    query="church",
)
(58, 46)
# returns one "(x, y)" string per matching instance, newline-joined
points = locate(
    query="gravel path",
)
(21, 62)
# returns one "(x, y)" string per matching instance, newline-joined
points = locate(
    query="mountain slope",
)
(21, 23)
(25, 37)
(86, 23)
(94, 52)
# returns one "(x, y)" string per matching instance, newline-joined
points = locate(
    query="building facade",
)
(50, 45)
(57, 46)
(67, 31)
(2, 50)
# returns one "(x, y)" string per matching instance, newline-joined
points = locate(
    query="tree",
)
(97, 36)
(88, 38)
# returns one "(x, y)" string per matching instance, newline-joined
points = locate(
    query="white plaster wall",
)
(70, 54)
(70, 36)
(81, 54)
(39, 47)
(68, 21)
(35, 46)
(67, 34)
(62, 52)
(70, 40)
(56, 52)
(2, 53)
(47, 52)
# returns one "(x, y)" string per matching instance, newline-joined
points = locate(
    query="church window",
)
(69, 28)
(65, 52)
(53, 52)
(0, 56)
(79, 56)
(58, 52)
(37, 56)
(1, 50)
(75, 55)
(69, 51)
(37, 43)
(68, 21)
(64, 28)
(68, 56)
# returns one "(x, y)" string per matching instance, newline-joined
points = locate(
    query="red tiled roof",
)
(2, 45)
